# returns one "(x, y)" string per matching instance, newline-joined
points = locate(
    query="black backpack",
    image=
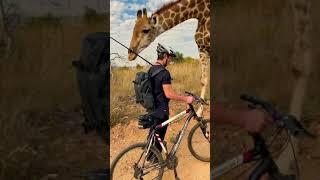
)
(93, 81)
(143, 89)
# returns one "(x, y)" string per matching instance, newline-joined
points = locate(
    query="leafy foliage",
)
(178, 58)
(91, 15)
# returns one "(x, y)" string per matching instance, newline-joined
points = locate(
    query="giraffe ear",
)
(139, 14)
(144, 10)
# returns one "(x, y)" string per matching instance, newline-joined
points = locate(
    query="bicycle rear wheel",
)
(131, 163)
(198, 144)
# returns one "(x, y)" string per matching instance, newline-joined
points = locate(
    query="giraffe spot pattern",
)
(201, 7)
(166, 14)
(192, 3)
(170, 22)
(176, 8)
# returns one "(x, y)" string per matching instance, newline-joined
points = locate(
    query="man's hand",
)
(255, 120)
(170, 94)
(189, 99)
(252, 120)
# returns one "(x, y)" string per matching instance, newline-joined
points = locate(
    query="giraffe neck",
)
(182, 11)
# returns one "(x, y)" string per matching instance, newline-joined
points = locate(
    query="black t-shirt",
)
(161, 101)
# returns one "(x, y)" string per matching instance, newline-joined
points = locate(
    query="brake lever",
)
(307, 134)
(204, 102)
(296, 128)
(200, 100)
(189, 93)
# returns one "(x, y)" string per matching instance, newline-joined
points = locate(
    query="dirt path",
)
(60, 150)
(188, 168)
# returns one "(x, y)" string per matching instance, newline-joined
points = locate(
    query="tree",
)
(113, 58)
(178, 58)
(301, 69)
(10, 19)
(90, 15)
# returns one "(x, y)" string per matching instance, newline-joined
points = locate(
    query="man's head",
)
(164, 55)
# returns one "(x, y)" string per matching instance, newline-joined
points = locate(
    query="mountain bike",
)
(139, 167)
(260, 153)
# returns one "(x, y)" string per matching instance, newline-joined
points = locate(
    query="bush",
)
(189, 59)
(91, 15)
(139, 67)
(178, 58)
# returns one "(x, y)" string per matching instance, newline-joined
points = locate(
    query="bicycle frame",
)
(267, 165)
(260, 150)
(155, 136)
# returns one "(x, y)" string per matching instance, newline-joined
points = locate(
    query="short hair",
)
(161, 55)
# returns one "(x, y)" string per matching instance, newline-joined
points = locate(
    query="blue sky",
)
(122, 18)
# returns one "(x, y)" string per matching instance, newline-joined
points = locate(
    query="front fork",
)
(204, 127)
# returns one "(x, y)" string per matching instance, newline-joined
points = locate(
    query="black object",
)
(130, 50)
(146, 121)
(93, 81)
(162, 50)
(143, 89)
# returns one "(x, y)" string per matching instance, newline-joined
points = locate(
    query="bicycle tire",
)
(154, 150)
(280, 176)
(190, 146)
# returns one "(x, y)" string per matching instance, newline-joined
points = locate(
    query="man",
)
(250, 120)
(162, 90)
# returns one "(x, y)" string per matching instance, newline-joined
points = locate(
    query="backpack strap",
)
(157, 71)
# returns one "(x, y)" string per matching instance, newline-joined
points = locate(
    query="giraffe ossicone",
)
(146, 29)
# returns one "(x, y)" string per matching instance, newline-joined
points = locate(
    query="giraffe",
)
(146, 30)
(301, 70)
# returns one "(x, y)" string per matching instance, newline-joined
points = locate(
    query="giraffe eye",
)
(146, 31)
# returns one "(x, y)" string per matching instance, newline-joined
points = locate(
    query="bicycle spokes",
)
(149, 170)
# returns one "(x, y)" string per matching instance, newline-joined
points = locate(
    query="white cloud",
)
(135, 7)
(155, 4)
(116, 7)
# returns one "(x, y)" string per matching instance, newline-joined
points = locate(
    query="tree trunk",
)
(301, 70)
(5, 28)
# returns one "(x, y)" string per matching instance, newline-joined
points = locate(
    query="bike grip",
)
(188, 92)
(246, 97)
(251, 99)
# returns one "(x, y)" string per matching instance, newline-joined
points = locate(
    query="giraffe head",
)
(144, 32)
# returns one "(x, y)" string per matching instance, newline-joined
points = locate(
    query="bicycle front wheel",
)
(198, 143)
(132, 163)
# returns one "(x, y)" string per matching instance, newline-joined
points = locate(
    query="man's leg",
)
(161, 116)
(162, 133)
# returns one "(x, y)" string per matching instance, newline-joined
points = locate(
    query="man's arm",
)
(251, 120)
(170, 94)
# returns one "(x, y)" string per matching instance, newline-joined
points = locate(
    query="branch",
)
(118, 56)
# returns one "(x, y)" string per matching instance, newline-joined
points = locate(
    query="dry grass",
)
(254, 43)
(186, 77)
(254, 46)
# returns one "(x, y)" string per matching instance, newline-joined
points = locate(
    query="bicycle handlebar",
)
(287, 121)
(197, 98)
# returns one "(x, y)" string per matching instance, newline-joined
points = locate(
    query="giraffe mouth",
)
(132, 56)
